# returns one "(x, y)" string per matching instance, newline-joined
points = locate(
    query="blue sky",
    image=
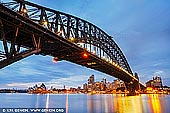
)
(140, 27)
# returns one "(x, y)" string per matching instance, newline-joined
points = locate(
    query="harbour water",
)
(84, 103)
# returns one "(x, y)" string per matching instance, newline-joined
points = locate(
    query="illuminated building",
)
(90, 87)
(97, 86)
(43, 86)
(91, 79)
(85, 87)
(150, 83)
(90, 83)
(117, 84)
(38, 90)
(73, 90)
(155, 83)
(108, 85)
(104, 80)
(103, 84)
(78, 89)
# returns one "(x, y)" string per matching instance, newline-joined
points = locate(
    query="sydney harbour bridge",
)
(27, 28)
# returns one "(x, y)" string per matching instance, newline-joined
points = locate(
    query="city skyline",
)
(140, 28)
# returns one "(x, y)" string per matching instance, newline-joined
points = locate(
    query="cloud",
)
(161, 74)
(158, 73)
(21, 85)
(164, 76)
(72, 81)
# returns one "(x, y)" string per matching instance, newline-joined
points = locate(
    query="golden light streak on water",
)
(47, 100)
(97, 104)
(37, 101)
(67, 103)
(155, 103)
(150, 103)
(137, 104)
(132, 104)
(105, 104)
(110, 103)
(90, 103)
(118, 105)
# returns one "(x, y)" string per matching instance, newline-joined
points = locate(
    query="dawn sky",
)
(141, 28)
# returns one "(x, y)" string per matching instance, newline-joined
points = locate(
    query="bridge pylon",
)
(133, 86)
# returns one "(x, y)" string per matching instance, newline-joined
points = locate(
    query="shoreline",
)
(86, 93)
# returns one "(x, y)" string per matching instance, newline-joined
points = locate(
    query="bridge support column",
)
(133, 86)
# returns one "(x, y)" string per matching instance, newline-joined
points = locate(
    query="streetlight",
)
(45, 22)
(55, 59)
(24, 10)
(85, 55)
(71, 39)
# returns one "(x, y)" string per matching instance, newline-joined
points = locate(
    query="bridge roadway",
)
(53, 45)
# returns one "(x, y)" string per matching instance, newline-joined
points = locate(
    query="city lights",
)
(91, 63)
(24, 10)
(94, 51)
(72, 39)
(45, 23)
(55, 59)
(85, 55)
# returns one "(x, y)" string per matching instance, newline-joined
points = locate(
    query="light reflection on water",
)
(75, 103)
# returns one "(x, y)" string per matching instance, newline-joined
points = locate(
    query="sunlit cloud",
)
(73, 81)
(158, 73)
(161, 74)
(22, 85)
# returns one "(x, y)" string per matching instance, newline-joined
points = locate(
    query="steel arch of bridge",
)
(72, 28)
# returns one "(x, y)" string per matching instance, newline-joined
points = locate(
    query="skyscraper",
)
(104, 80)
(156, 82)
(91, 79)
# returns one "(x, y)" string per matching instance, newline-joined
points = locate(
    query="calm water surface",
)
(83, 103)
